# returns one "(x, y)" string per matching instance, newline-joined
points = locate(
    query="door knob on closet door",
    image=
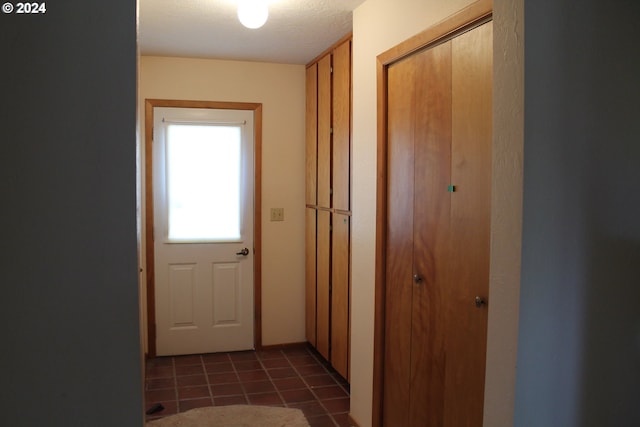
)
(480, 302)
(243, 252)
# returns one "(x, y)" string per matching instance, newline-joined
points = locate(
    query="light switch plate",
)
(277, 214)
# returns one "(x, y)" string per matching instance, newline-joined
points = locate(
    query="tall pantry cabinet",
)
(328, 208)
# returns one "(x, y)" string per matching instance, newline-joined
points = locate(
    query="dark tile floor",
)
(294, 377)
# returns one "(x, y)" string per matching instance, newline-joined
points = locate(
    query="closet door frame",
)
(474, 15)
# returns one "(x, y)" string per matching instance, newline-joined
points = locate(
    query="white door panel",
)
(182, 284)
(226, 294)
(203, 219)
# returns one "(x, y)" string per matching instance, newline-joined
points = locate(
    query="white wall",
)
(281, 90)
(378, 26)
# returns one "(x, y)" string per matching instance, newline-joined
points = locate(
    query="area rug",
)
(234, 416)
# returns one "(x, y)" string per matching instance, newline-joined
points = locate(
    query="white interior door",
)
(203, 170)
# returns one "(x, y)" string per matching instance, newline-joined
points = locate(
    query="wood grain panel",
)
(257, 230)
(384, 399)
(311, 137)
(399, 253)
(381, 244)
(322, 282)
(341, 125)
(431, 231)
(340, 262)
(149, 228)
(310, 275)
(324, 132)
(470, 226)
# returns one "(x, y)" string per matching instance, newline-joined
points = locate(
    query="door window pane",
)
(203, 182)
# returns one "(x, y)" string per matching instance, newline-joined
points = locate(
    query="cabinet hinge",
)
(331, 69)
(331, 131)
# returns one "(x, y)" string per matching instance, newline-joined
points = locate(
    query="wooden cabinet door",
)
(323, 278)
(324, 132)
(311, 137)
(310, 275)
(341, 126)
(328, 173)
(340, 293)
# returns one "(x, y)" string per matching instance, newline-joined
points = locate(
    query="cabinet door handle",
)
(417, 278)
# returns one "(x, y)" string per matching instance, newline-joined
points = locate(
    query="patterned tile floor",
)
(294, 377)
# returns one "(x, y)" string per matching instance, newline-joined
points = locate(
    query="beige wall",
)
(281, 90)
(379, 25)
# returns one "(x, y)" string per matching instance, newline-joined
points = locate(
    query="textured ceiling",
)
(296, 32)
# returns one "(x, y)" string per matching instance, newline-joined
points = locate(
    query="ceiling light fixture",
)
(253, 13)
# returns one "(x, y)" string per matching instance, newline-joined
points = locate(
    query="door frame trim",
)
(150, 104)
(460, 22)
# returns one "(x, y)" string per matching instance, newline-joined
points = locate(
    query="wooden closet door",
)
(419, 108)
(432, 128)
(470, 226)
(439, 114)
(399, 253)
